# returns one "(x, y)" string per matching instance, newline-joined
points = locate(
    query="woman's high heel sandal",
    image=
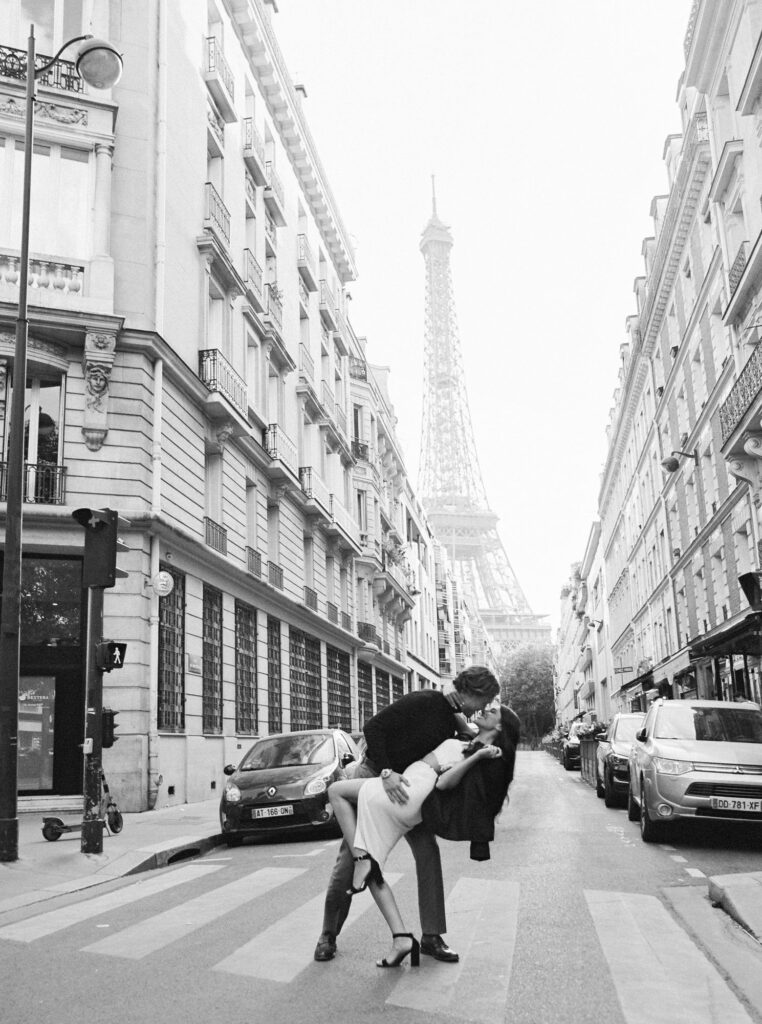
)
(374, 875)
(414, 952)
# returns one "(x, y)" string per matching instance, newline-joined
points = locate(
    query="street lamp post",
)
(101, 67)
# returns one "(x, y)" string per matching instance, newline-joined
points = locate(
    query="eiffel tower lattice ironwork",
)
(450, 481)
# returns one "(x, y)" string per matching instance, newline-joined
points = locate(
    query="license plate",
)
(734, 803)
(274, 812)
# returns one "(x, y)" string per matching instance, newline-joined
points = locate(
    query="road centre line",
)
(154, 933)
(55, 920)
(664, 979)
(483, 919)
(286, 948)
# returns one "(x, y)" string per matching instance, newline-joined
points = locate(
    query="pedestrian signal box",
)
(101, 526)
(109, 654)
(108, 727)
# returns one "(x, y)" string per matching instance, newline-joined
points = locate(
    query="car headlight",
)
(316, 786)
(666, 766)
(232, 793)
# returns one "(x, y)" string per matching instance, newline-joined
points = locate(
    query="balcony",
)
(341, 418)
(367, 632)
(358, 368)
(360, 450)
(216, 215)
(254, 151)
(219, 80)
(62, 75)
(216, 536)
(743, 395)
(332, 612)
(282, 451)
(305, 263)
(43, 483)
(328, 398)
(271, 236)
(252, 279)
(275, 198)
(47, 276)
(311, 598)
(223, 382)
(254, 562)
(306, 362)
(274, 307)
(343, 526)
(275, 575)
(317, 494)
(327, 306)
(346, 621)
(215, 132)
(304, 300)
(341, 334)
(250, 191)
(739, 265)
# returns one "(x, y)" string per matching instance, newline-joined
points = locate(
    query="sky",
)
(544, 124)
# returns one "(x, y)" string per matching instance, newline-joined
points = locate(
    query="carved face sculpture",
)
(97, 380)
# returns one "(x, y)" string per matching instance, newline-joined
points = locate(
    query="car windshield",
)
(627, 727)
(730, 724)
(574, 731)
(289, 751)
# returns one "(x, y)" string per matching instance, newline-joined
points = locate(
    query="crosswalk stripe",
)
(146, 937)
(664, 978)
(284, 949)
(55, 920)
(482, 925)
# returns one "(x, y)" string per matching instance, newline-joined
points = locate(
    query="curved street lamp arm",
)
(51, 62)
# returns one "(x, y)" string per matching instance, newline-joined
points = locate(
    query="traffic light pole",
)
(92, 822)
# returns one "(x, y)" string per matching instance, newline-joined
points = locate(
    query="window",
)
(54, 22)
(55, 228)
(43, 429)
(245, 668)
(304, 661)
(274, 696)
(211, 680)
(339, 707)
(213, 480)
(171, 686)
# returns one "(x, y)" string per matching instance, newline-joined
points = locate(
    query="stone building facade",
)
(192, 365)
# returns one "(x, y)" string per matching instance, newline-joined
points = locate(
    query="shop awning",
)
(744, 637)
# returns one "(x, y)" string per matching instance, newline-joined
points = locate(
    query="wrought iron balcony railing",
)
(311, 598)
(62, 75)
(216, 535)
(254, 561)
(367, 632)
(43, 483)
(742, 394)
(306, 362)
(218, 375)
(273, 182)
(346, 621)
(252, 273)
(280, 446)
(215, 62)
(275, 305)
(332, 611)
(358, 368)
(739, 265)
(360, 450)
(217, 215)
(275, 575)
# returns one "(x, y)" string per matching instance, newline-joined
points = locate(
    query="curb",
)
(164, 854)
(740, 896)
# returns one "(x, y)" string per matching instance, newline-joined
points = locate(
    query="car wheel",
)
(650, 831)
(633, 811)
(610, 798)
(599, 786)
(231, 841)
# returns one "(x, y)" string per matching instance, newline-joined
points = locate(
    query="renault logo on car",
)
(271, 790)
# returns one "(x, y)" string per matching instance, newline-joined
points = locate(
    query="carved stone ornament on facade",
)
(97, 362)
(3, 388)
(46, 111)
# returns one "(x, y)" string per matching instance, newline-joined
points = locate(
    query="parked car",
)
(570, 752)
(613, 758)
(696, 759)
(280, 785)
(360, 742)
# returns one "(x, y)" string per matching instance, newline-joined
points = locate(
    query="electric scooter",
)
(54, 828)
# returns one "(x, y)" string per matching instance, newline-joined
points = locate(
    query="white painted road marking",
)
(695, 873)
(283, 950)
(146, 937)
(55, 920)
(482, 919)
(664, 979)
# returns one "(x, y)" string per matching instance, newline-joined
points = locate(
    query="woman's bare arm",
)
(452, 776)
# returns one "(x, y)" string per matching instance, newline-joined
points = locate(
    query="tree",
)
(526, 683)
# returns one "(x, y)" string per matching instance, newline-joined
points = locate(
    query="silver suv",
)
(695, 759)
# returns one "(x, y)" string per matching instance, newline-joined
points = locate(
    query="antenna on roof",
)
(433, 196)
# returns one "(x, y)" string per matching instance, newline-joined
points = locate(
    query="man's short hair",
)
(477, 680)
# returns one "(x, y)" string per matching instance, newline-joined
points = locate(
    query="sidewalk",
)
(148, 840)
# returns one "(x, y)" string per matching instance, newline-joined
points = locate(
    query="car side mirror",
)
(640, 735)
(229, 769)
(347, 759)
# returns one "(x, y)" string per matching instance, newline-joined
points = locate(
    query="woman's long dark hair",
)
(498, 772)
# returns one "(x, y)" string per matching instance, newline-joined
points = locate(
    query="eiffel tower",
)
(450, 480)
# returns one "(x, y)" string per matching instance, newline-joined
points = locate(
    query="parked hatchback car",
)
(280, 785)
(613, 758)
(696, 759)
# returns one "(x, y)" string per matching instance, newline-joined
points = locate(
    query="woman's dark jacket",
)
(466, 813)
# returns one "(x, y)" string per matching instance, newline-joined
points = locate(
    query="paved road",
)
(574, 919)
